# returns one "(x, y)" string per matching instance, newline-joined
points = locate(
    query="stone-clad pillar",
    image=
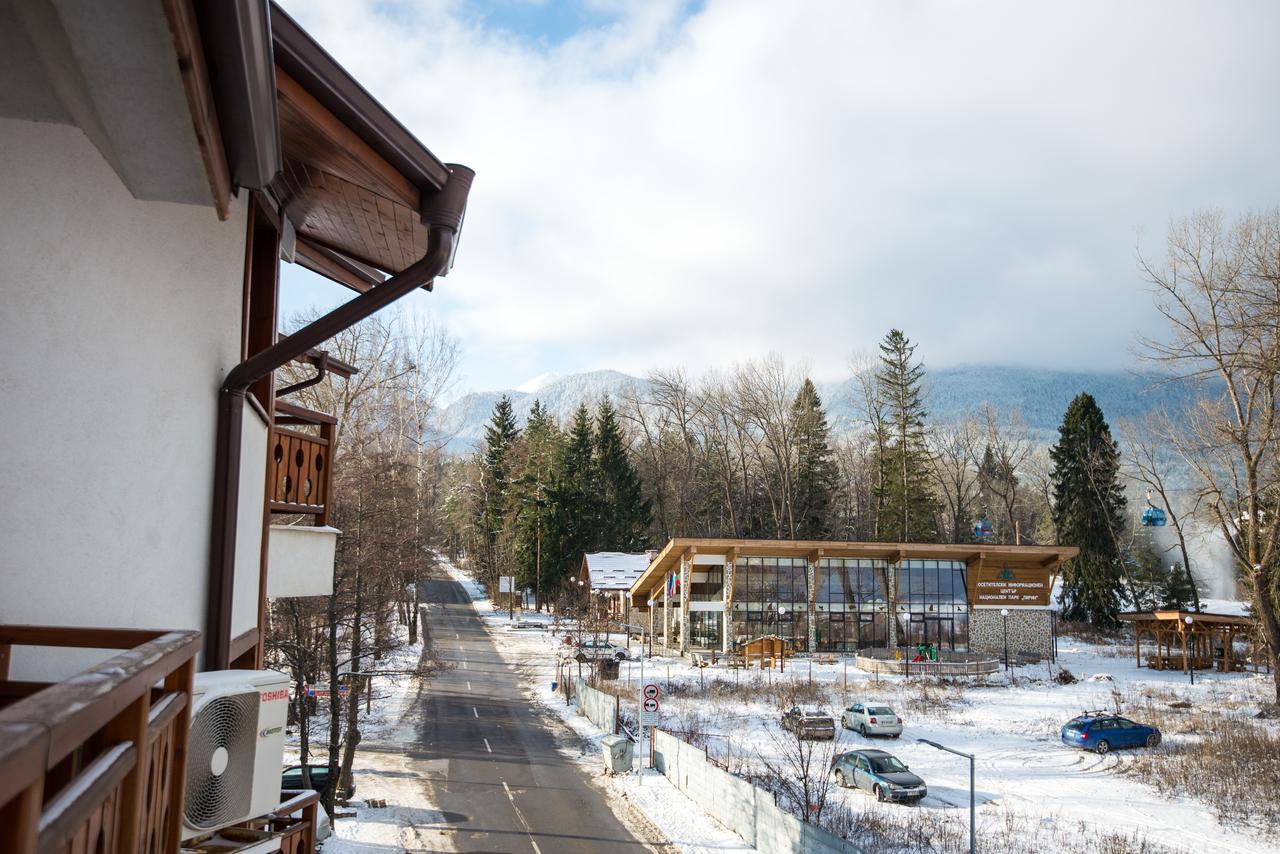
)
(812, 622)
(686, 563)
(726, 624)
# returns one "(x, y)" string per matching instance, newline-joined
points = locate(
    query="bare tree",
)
(1009, 441)
(1151, 458)
(952, 450)
(1219, 290)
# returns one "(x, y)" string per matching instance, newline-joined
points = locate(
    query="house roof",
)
(613, 570)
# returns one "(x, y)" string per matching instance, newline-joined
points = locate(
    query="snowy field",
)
(1029, 785)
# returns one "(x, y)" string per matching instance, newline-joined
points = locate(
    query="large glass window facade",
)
(771, 597)
(851, 604)
(706, 585)
(933, 603)
(705, 628)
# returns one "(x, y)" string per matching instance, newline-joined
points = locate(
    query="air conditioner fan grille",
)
(229, 722)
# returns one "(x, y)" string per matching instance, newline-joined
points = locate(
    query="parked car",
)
(872, 719)
(880, 773)
(1103, 732)
(291, 778)
(809, 723)
(596, 650)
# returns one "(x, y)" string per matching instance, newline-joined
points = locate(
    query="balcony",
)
(300, 461)
(96, 762)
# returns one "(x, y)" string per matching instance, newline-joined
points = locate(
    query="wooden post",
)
(182, 679)
(20, 821)
(131, 726)
(1137, 644)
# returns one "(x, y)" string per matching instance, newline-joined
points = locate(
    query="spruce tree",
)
(908, 512)
(624, 512)
(499, 437)
(1088, 508)
(533, 501)
(573, 517)
(816, 477)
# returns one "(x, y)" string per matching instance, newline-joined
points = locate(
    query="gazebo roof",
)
(1179, 617)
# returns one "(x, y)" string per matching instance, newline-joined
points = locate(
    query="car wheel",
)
(1153, 739)
(896, 734)
(580, 658)
(621, 656)
(840, 781)
(862, 730)
(879, 793)
(1104, 746)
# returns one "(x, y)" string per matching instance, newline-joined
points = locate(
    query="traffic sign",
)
(651, 691)
(650, 704)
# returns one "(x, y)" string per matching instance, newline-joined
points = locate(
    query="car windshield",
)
(880, 710)
(887, 765)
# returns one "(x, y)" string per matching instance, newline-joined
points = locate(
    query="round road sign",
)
(650, 691)
(650, 704)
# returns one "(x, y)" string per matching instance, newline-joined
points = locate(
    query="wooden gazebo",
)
(1206, 641)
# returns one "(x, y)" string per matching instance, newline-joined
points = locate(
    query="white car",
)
(598, 650)
(872, 719)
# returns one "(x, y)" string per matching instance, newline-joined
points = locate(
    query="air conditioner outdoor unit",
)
(235, 748)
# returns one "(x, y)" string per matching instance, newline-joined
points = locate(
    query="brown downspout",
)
(442, 213)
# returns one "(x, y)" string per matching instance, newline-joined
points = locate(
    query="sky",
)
(667, 183)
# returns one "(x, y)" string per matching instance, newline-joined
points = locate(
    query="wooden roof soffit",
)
(204, 117)
(337, 267)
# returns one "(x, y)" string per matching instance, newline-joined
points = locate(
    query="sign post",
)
(506, 584)
(648, 714)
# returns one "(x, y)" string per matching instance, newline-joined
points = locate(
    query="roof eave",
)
(330, 84)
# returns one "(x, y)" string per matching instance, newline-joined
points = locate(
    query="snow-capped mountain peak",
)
(538, 383)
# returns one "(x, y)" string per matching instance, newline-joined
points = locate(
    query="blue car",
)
(1101, 732)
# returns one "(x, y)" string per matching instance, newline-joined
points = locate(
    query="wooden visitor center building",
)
(835, 596)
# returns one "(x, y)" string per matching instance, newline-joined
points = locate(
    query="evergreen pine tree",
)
(499, 437)
(816, 476)
(535, 486)
(1088, 507)
(908, 512)
(624, 513)
(573, 520)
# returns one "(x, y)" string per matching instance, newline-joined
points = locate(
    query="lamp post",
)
(1191, 661)
(1004, 613)
(973, 841)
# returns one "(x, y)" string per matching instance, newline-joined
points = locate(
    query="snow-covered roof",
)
(615, 570)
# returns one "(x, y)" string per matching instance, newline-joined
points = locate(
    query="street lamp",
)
(1191, 662)
(973, 842)
(1004, 612)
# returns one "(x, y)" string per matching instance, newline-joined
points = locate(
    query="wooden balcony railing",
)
(96, 762)
(300, 462)
(295, 821)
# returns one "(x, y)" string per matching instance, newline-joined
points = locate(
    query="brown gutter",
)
(442, 214)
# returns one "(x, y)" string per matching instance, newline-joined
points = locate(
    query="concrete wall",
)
(746, 809)
(1030, 630)
(598, 707)
(121, 319)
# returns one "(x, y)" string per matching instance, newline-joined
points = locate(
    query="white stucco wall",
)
(253, 486)
(120, 319)
(300, 560)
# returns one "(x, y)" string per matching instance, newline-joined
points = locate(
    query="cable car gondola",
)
(1153, 516)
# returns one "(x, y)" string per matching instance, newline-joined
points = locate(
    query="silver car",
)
(872, 719)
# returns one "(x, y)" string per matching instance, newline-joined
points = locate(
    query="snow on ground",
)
(1025, 775)
(683, 823)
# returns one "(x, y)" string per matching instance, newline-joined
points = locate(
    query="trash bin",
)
(618, 753)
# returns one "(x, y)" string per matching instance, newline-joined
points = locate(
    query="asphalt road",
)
(490, 757)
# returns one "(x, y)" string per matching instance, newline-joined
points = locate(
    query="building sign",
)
(1013, 587)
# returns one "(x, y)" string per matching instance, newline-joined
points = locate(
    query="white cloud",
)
(801, 177)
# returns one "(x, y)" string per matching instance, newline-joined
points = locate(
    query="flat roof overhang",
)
(1040, 558)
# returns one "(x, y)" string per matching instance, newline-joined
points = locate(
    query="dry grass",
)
(1233, 767)
(904, 829)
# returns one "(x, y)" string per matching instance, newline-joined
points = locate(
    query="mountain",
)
(463, 420)
(1040, 395)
